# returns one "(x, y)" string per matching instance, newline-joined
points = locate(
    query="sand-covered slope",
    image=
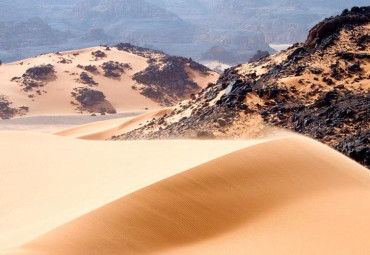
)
(46, 180)
(99, 79)
(288, 195)
(104, 130)
(319, 88)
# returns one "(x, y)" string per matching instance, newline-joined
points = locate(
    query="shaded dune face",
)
(209, 201)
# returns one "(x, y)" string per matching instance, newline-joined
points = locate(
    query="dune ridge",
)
(284, 196)
(48, 180)
(103, 130)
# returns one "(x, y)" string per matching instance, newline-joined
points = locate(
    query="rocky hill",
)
(31, 32)
(99, 80)
(128, 21)
(319, 88)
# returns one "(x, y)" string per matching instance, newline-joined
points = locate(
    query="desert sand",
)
(55, 97)
(289, 195)
(103, 130)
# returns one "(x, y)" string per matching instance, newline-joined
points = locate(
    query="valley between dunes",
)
(283, 195)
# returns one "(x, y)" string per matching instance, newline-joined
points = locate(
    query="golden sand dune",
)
(54, 97)
(103, 130)
(283, 196)
(46, 180)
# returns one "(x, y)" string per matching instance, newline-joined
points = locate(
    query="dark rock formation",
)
(167, 80)
(324, 33)
(357, 147)
(114, 69)
(88, 97)
(293, 93)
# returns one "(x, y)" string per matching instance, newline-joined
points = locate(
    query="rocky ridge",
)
(319, 88)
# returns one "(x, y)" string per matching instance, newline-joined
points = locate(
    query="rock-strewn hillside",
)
(319, 88)
(99, 80)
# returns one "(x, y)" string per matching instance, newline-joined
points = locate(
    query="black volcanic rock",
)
(324, 33)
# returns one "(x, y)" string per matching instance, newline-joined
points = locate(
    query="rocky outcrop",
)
(167, 80)
(114, 69)
(324, 33)
(317, 91)
(88, 97)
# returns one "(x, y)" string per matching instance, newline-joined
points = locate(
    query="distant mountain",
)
(132, 20)
(190, 10)
(281, 21)
(190, 28)
(31, 32)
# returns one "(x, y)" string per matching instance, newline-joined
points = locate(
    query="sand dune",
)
(46, 180)
(55, 97)
(283, 196)
(103, 130)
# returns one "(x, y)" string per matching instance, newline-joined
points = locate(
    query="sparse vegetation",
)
(114, 69)
(87, 79)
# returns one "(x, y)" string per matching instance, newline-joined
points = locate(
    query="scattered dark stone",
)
(222, 122)
(316, 70)
(354, 68)
(328, 81)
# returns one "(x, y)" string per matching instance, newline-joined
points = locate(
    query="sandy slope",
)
(103, 130)
(283, 196)
(46, 180)
(56, 95)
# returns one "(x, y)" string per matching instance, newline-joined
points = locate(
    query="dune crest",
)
(47, 181)
(103, 130)
(242, 202)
